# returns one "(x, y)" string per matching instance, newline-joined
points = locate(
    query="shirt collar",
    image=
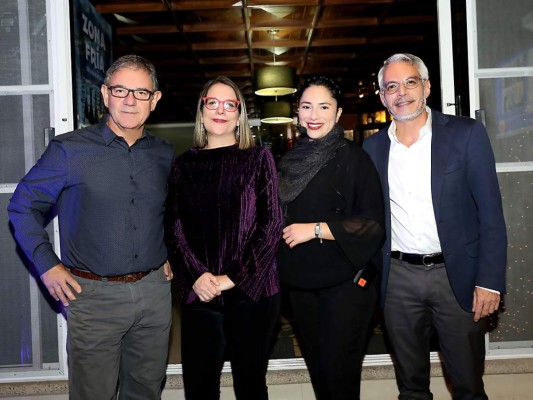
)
(109, 136)
(424, 131)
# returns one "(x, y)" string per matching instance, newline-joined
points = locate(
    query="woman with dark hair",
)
(223, 225)
(331, 198)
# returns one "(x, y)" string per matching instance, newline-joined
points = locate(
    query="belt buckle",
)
(428, 256)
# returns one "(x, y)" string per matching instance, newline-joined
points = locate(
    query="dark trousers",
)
(242, 332)
(118, 338)
(420, 300)
(332, 326)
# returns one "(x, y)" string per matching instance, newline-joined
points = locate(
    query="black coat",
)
(346, 194)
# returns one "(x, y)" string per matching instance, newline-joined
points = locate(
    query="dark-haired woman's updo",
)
(328, 83)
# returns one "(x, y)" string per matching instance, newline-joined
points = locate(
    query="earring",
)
(203, 132)
(238, 132)
(301, 129)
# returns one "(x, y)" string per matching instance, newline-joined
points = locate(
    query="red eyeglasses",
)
(212, 103)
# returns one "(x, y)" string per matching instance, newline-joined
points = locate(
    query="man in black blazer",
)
(444, 258)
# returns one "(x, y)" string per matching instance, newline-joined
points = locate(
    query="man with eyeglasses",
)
(444, 258)
(108, 185)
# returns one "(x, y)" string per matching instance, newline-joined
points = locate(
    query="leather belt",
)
(128, 278)
(419, 259)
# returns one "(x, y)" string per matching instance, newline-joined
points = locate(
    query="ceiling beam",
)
(267, 44)
(215, 26)
(249, 35)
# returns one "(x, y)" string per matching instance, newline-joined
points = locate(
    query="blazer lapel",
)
(440, 147)
(382, 164)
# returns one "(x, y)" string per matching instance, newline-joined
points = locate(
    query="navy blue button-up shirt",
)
(110, 200)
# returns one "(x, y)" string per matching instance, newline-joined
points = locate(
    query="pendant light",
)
(275, 80)
(276, 112)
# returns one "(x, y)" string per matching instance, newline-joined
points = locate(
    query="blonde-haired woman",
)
(223, 226)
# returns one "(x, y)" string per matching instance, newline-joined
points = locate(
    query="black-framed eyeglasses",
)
(122, 92)
(212, 103)
(408, 83)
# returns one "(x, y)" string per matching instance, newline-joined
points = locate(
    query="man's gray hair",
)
(133, 61)
(407, 58)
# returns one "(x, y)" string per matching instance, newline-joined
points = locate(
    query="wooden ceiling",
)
(192, 41)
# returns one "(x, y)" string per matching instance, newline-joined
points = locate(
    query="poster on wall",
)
(92, 56)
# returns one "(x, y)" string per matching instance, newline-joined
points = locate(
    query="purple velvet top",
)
(224, 217)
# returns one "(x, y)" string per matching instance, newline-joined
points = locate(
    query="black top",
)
(110, 200)
(345, 193)
(224, 217)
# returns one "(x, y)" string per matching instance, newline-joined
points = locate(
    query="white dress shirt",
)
(413, 224)
(414, 229)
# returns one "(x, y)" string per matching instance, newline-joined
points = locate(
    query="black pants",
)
(332, 326)
(420, 300)
(242, 332)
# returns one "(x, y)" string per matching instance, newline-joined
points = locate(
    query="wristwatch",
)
(318, 231)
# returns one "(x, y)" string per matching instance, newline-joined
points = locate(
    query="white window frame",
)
(475, 74)
(59, 90)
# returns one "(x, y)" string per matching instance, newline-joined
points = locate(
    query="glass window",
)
(505, 59)
(25, 119)
(509, 116)
(23, 42)
(27, 313)
(505, 43)
(29, 328)
(515, 324)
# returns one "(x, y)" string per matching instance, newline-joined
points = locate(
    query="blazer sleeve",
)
(485, 190)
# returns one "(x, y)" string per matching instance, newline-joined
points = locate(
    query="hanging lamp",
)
(275, 80)
(276, 112)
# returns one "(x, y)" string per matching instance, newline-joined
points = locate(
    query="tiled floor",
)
(499, 387)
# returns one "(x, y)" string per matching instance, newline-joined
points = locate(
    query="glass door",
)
(32, 103)
(500, 43)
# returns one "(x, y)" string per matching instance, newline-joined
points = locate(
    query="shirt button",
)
(134, 228)
(132, 201)
(136, 256)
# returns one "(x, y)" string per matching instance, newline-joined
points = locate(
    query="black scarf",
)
(301, 164)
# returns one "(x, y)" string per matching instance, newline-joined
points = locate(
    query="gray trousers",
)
(118, 338)
(420, 301)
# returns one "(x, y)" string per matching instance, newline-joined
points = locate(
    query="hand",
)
(207, 287)
(225, 282)
(485, 303)
(59, 282)
(298, 233)
(167, 269)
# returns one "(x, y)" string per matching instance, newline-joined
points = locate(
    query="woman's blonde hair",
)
(243, 134)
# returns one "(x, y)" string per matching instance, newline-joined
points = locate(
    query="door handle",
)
(457, 105)
(49, 134)
(480, 116)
